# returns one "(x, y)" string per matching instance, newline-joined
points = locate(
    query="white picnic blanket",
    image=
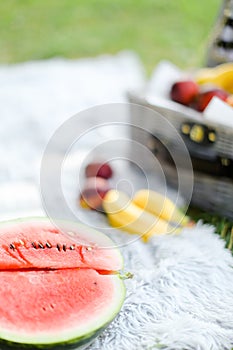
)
(181, 296)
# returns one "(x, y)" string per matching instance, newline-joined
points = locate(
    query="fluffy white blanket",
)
(181, 296)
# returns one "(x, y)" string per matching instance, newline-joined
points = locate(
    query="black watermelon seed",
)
(59, 247)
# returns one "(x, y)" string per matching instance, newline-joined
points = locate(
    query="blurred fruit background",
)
(155, 29)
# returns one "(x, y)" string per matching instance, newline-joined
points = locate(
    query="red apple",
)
(184, 92)
(93, 193)
(103, 170)
(204, 98)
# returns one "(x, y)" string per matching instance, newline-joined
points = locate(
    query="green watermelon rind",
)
(69, 345)
(75, 343)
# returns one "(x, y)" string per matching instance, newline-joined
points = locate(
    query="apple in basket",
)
(184, 92)
(188, 93)
(203, 99)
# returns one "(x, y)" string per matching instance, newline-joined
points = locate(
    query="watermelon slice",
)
(56, 292)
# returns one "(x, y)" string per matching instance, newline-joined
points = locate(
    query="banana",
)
(161, 206)
(221, 76)
(125, 215)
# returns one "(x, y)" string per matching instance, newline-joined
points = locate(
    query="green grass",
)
(224, 226)
(155, 29)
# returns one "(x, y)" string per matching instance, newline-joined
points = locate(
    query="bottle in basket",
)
(221, 45)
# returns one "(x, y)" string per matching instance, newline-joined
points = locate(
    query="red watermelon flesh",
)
(39, 245)
(40, 303)
(55, 298)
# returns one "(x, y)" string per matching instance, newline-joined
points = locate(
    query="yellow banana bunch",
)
(221, 76)
(126, 215)
(156, 204)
